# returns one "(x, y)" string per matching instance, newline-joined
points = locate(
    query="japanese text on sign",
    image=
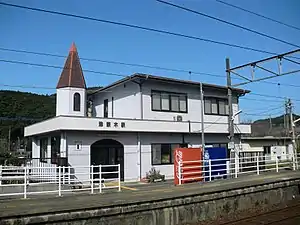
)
(112, 124)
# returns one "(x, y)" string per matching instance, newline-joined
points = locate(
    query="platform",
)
(134, 193)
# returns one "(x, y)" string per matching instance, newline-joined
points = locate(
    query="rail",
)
(36, 180)
(212, 169)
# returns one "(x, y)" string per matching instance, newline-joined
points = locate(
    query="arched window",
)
(76, 102)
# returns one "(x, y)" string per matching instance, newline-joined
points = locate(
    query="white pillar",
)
(35, 148)
(49, 148)
(63, 144)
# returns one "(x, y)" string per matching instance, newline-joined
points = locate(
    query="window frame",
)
(170, 94)
(55, 149)
(43, 159)
(76, 104)
(180, 145)
(218, 106)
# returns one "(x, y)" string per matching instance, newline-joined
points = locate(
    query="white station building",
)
(136, 122)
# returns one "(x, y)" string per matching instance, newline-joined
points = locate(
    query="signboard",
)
(111, 124)
(188, 160)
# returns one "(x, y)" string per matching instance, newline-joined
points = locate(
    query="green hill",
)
(274, 126)
(19, 109)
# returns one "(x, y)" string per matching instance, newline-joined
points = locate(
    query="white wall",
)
(127, 102)
(64, 101)
(168, 170)
(82, 157)
(278, 148)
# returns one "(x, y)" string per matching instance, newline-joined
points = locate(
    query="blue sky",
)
(40, 32)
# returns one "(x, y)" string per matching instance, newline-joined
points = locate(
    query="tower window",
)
(76, 102)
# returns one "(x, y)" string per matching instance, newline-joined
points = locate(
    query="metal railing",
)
(32, 180)
(212, 169)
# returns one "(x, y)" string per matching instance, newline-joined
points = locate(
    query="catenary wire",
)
(193, 95)
(140, 65)
(228, 23)
(257, 14)
(122, 75)
(114, 62)
(135, 26)
(97, 72)
(270, 96)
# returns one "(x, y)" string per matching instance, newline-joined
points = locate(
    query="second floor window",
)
(76, 102)
(169, 102)
(216, 106)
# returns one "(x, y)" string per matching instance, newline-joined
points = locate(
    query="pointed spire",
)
(72, 75)
(73, 48)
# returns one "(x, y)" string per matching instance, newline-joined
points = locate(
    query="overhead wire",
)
(192, 95)
(114, 62)
(115, 74)
(267, 111)
(135, 27)
(227, 22)
(259, 15)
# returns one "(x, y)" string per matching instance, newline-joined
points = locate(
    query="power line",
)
(113, 62)
(228, 23)
(136, 27)
(267, 112)
(193, 95)
(60, 67)
(261, 100)
(259, 15)
(271, 96)
(121, 75)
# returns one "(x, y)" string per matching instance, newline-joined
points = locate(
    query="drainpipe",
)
(202, 121)
(141, 102)
(140, 155)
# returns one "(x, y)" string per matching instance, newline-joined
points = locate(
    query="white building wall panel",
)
(123, 102)
(65, 100)
(126, 102)
(82, 157)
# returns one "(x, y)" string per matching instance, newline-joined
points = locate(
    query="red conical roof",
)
(72, 75)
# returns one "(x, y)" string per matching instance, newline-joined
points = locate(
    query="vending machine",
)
(187, 165)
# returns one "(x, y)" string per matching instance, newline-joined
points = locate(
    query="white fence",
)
(208, 170)
(30, 180)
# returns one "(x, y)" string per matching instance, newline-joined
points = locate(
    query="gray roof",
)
(137, 76)
(266, 138)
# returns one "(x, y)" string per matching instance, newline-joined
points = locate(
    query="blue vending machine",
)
(218, 157)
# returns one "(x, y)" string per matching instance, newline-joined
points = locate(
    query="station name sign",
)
(112, 124)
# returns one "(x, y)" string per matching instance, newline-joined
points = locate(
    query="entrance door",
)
(107, 152)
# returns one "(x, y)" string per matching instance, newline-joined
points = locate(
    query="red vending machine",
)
(190, 163)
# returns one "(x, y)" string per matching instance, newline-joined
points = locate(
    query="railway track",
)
(289, 215)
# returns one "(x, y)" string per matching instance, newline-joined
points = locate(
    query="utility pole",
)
(202, 120)
(230, 118)
(9, 134)
(290, 106)
(271, 125)
(287, 112)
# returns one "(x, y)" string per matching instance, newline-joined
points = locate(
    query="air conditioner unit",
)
(179, 118)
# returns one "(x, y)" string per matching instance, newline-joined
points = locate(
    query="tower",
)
(71, 87)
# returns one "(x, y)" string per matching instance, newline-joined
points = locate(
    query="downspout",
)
(141, 102)
(140, 155)
(202, 121)
(139, 137)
